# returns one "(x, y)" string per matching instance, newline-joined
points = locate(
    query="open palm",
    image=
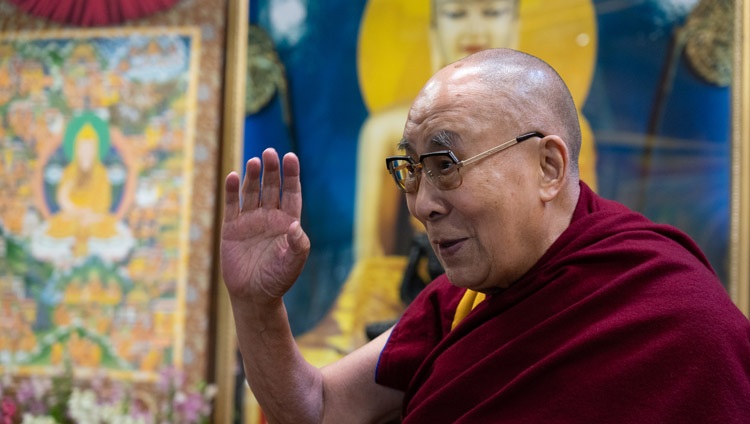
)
(263, 247)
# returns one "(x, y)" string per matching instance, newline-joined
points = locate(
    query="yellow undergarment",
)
(468, 302)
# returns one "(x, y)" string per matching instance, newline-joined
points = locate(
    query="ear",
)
(553, 166)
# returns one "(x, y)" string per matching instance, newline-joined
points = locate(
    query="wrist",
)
(259, 315)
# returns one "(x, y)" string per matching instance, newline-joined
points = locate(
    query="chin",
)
(464, 279)
(460, 279)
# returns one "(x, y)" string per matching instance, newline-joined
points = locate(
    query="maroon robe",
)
(621, 321)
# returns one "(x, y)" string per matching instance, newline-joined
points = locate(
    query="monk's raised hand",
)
(263, 246)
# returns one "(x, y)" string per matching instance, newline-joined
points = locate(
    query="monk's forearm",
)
(287, 387)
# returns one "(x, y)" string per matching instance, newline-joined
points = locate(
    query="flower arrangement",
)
(63, 399)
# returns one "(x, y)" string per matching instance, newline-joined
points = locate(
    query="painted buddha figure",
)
(383, 231)
(84, 193)
(458, 28)
(433, 34)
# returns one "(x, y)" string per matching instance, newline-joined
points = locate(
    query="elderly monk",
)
(556, 305)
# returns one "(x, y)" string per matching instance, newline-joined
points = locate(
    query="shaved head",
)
(512, 205)
(522, 88)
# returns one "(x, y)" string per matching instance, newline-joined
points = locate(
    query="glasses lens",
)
(403, 172)
(442, 171)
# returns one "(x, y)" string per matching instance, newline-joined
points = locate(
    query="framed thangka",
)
(96, 155)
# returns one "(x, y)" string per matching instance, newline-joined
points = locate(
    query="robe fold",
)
(621, 321)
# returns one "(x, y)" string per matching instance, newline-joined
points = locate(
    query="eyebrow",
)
(443, 138)
(403, 144)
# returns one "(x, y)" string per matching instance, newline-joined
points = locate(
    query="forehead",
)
(453, 112)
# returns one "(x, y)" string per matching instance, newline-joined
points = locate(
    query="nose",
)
(475, 28)
(428, 202)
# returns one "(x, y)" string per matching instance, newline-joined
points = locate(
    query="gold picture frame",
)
(225, 364)
(739, 284)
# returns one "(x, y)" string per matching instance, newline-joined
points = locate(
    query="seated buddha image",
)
(400, 45)
(80, 196)
(457, 28)
(383, 232)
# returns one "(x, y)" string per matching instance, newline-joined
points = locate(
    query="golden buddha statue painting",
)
(400, 45)
(390, 56)
(80, 198)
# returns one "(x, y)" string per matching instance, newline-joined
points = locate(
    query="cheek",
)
(502, 29)
(502, 231)
(448, 34)
(498, 203)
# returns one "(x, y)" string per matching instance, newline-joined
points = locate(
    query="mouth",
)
(473, 49)
(449, 247)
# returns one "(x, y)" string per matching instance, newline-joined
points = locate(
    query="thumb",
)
(299, 243)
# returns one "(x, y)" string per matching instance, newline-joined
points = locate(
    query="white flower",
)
(210, 391)
(180, 397)
(82, 406)
(31, 419)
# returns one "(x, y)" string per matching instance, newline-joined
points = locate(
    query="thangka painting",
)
(96, 149)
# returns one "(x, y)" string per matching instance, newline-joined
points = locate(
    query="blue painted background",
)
(687, 183)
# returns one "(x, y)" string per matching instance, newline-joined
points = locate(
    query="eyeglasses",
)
(440, 167)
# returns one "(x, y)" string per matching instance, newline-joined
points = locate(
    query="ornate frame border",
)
(739, 284)
(225, 361)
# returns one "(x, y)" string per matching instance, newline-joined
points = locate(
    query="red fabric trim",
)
(93, 12)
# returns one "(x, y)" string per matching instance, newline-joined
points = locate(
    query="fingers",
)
(291, 200)
(251, 185)
(265, 190)
(231, 196)
(270, 195)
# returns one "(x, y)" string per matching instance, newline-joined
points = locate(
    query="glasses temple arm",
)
(500, 147)
(488, 152)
